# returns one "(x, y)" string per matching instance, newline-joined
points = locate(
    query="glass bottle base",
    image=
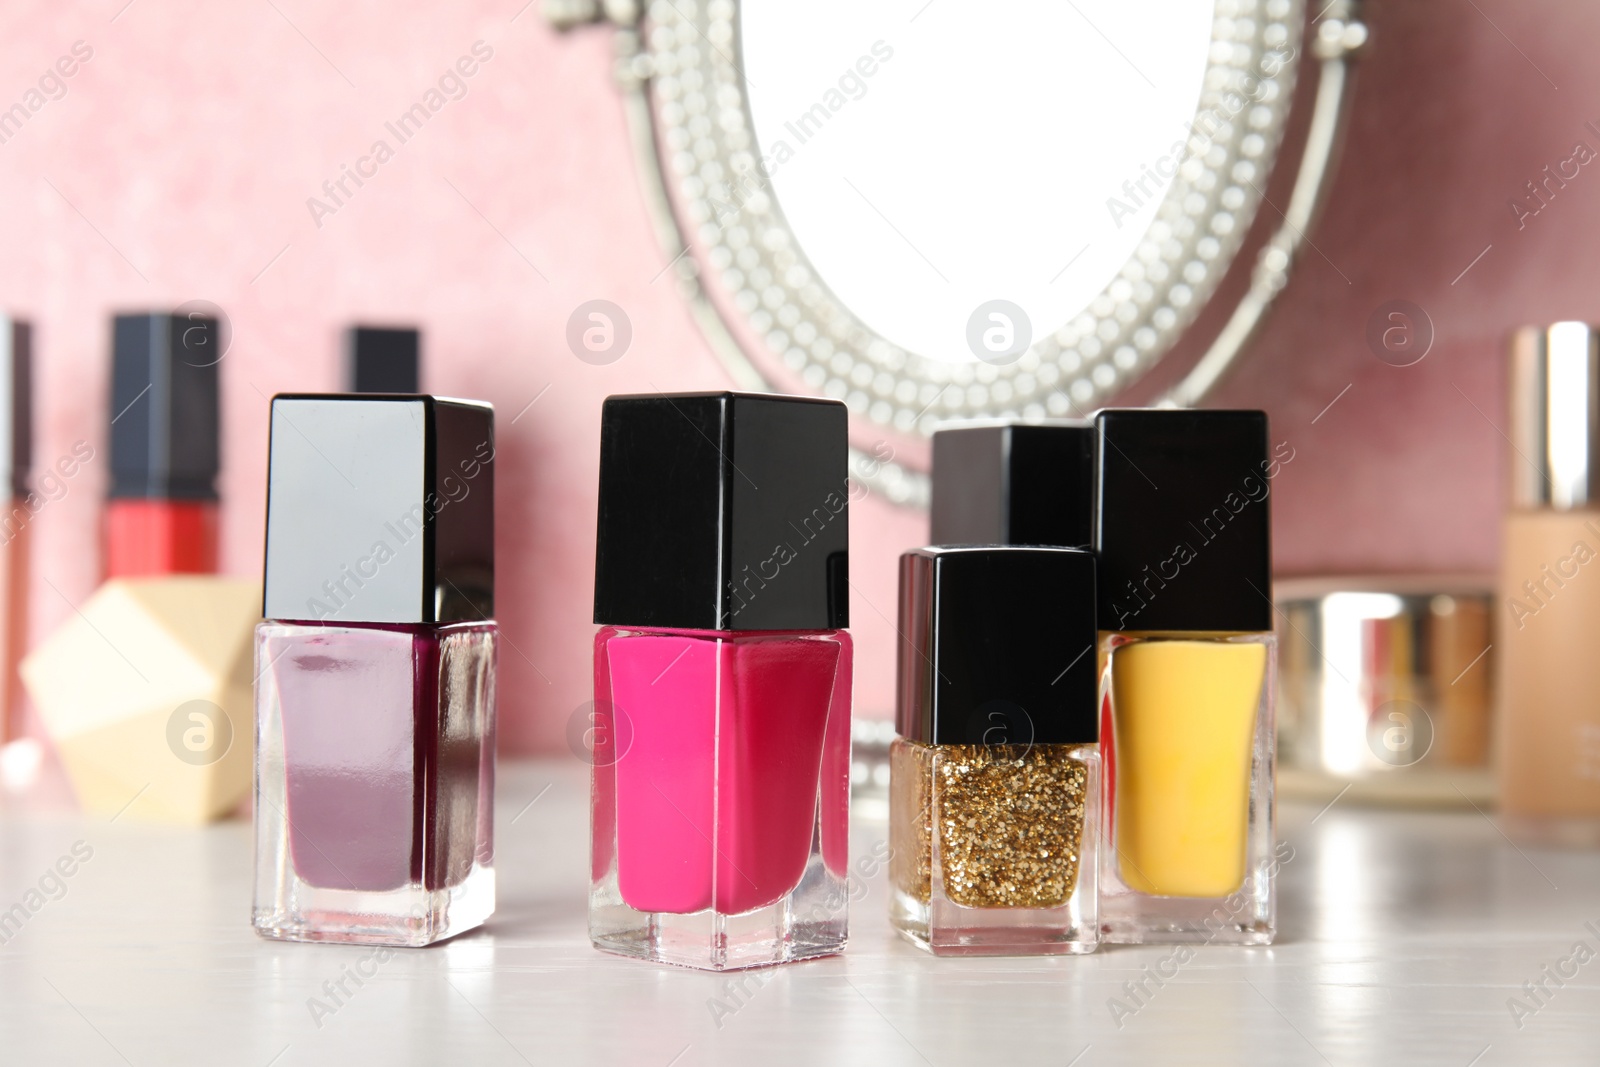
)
(948, 929)
(1244, 918)
(407, 917)
(711, 941)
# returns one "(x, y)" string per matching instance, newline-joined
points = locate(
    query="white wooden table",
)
(1403, 936)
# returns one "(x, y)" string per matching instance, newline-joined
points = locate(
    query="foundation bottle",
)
(994, 777)
(1548, 725)
(1182, 536)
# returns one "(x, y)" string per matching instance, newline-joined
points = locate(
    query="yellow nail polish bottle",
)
(1182, 533)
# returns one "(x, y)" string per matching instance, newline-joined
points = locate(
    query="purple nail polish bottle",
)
(375, 671)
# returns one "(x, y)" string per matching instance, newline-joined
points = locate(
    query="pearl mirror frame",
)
(777, 327)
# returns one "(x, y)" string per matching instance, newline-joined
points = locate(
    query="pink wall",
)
(178, 164)
(1454, 114)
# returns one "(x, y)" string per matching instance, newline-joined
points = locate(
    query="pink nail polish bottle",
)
(721, 785)
(375, 671)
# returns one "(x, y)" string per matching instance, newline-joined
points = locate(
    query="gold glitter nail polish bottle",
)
(1182, 539)
(994, 780)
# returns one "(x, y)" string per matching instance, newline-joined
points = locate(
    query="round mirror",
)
(939, 210)
(925, 200)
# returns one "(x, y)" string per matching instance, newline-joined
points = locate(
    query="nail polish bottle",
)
(375, 671)
(994, 784)
(1548, 731)
(1013, 484)
(721, 769)
(380, 359)
(16, 448)
(1182, 536)
(162, 514)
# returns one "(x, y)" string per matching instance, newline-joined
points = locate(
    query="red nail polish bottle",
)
(162, 514)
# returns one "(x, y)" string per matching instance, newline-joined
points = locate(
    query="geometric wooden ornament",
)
(146, 692)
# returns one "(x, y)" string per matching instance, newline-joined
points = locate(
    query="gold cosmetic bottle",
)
(1548, 729)
(1182, 535)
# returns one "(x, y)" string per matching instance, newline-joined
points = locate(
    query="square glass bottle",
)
(994, 780)
(375, 672)
(721, 777)
(1182, 535)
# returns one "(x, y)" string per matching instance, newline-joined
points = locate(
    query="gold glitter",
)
(1009, 822)
(910, 826)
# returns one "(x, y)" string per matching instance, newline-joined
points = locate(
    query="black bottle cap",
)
(164, 417)
(16, 404)
(1182, 525)
(997, 646)
(380, 509)
(1013, 484)
(381, 360)
(723, 511)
